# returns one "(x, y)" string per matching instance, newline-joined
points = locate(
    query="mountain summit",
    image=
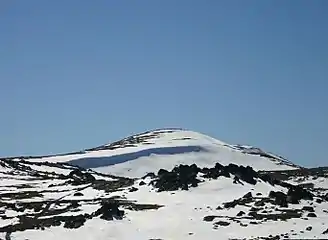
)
(136, 155)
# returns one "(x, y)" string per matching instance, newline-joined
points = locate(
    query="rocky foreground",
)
(40, 200)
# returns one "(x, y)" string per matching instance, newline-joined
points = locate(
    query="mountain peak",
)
(165, 148)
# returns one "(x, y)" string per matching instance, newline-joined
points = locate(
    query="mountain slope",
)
(136, 155)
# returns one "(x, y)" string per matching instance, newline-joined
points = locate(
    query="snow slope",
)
(183, 214)
(139, 154)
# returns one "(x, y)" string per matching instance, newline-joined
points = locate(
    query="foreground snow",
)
(180, 213)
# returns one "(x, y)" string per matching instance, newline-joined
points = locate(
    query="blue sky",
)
(77, 74)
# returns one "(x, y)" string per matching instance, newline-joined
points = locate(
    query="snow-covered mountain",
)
(162, 184)
(150, 151)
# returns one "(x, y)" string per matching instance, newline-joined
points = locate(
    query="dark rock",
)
(150, 175)
(78, 194)
(80, 177)
(319, 200)
(209, 218)
(308, 208)
(109, 211)
(142, 183)
(248, 195)
(222, 223)
(181, 177)
(240, 201)
(258, 194)
(295, 194)
(133, 189)
(260, 203)
(325, 232)
(241, 213)
(231, 204)
(75, 222)
(282, 216)
(306, 185)
(309, 228)
(312, 215)
(246, 174)
(215, 172)
(237, 181)
(162, 172)
(254, 209)
(279, 198)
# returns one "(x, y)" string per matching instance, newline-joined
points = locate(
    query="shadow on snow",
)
(95, 162)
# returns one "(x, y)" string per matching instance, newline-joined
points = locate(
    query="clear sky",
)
(77, 74)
